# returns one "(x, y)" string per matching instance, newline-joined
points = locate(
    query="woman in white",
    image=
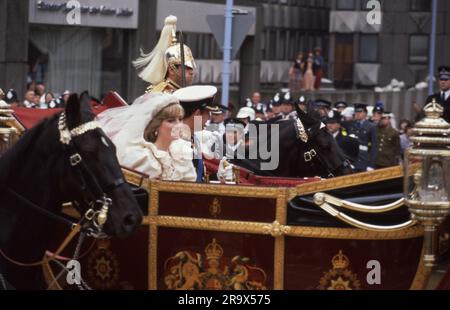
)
(147, 137)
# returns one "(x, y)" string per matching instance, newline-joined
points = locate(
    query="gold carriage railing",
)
(10, 128)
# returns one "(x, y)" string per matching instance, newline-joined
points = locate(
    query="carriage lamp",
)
(427, 175)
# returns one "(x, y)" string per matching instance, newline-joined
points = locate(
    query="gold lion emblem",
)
(213, 271)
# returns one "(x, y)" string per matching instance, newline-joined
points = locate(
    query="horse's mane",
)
(21, 151)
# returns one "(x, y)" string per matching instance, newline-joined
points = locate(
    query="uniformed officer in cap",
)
(276, 107)
(162, 67)
(443, 96)
(216, 121)
(287, 106)
(260, 113)
(340, 106)
(269, 112)
(388, 153)
(349, 145)
(377, 113)
(365, 132)
(324, 107)
(234, 138)
(302, 104)
(198, 103)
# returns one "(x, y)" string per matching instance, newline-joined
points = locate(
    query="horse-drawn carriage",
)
(270, 233)
(209, 236)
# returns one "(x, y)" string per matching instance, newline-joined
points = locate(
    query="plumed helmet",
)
(167, 51)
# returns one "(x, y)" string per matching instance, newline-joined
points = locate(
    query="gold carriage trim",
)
(275, 229)
(346, 181)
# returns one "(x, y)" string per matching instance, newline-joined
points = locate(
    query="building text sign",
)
(91, 13)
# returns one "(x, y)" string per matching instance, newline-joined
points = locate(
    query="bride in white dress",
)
(147, 137)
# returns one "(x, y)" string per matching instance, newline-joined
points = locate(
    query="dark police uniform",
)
(366, 132)
(440, 97)
(388, 153)
(349, 145)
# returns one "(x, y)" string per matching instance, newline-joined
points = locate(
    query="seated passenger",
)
(147, 137)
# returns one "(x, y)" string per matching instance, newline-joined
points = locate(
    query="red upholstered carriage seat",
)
(112, 100)
(31, 117)
(247, 177)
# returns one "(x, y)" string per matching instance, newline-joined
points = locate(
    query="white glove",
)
(181, 131)
(370, 169)
(225, 172)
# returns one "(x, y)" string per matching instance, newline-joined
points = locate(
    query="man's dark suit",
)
(445, 104)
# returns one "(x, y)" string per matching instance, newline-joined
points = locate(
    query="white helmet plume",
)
(154, 64)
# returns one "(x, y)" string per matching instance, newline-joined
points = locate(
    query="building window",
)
(202, 45)
(78, 58)
(345, 5)
(418, 49)
(368, 48)
(421, 5)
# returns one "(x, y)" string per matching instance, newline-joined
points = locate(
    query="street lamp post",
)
(427, 175)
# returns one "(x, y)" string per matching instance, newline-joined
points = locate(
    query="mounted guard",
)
(170, 65)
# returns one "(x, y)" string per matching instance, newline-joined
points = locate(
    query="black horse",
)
(306, 149)
(65, 158)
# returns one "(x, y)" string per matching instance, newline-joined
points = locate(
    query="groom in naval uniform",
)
(198, 103)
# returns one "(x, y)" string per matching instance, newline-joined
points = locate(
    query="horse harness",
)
(93, 220)
(312, 156)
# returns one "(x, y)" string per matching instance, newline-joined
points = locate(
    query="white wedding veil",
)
(125, 126)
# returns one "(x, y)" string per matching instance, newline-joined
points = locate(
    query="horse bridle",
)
(93, 195)
(93, 220)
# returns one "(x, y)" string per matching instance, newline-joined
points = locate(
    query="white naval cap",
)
(198, 95)
(246, 112)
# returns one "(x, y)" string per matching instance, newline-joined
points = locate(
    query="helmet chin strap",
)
(179, 75)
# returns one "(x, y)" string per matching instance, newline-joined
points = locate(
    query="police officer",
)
(340, 106)
(288, 107)
(260, 113)
(162, 68)
(377, 114)
(324, 108)
(234, 138)
(349, 145)
(276, 108)
(216, 122)
(365, 132)
(388, 154)
(443, 96)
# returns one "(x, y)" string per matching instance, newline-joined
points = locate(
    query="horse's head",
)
(94, 179)
(322, 151)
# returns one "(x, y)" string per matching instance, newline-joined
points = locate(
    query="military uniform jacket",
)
(445, 104)
(167, 86)
(366, 133)
(388, 153)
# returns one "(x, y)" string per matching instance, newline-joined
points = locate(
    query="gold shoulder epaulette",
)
(163, 87)
(149, 89)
